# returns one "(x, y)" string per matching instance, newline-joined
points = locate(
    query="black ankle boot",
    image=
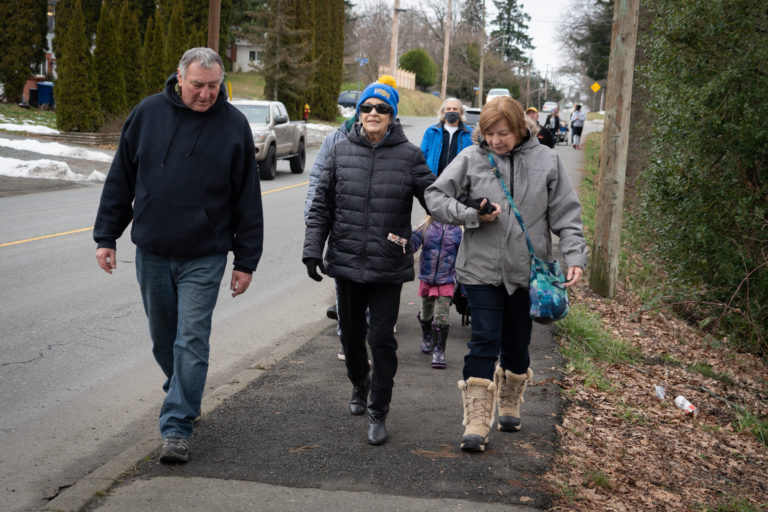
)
(377, 427)
(359, 398)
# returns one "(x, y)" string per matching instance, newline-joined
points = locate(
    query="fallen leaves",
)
(654, 455)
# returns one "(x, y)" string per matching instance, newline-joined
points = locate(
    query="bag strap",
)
(511, 202)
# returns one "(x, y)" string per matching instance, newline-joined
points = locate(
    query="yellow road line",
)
(46, 236)
(91, 228)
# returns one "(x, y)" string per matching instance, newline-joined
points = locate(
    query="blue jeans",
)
(179, 295)
(501, 328)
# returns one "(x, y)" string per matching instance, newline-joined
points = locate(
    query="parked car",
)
(472, 114)
(493, 93)
(349, 98)
(274, 136)
(549, 106)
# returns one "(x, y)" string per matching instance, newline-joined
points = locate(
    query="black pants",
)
(501, 330)
(383, 301)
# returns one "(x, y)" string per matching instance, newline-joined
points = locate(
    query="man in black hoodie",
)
(185, 174)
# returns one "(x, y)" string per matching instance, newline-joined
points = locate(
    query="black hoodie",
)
(188, 180)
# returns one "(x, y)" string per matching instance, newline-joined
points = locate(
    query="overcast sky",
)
(546, 17)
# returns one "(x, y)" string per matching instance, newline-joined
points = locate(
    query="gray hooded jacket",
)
(495, 252)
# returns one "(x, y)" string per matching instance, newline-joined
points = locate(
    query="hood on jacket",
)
(172, 94)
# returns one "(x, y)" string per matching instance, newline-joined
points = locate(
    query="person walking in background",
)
(577, 124)
(544, 136)
(362, 211)
(494, 264)
(314, 177)
(185, 174)
(448, 137)
(439, 245)
(552, 124)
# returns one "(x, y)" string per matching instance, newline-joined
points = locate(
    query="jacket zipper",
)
(439, 253)
(367, 203)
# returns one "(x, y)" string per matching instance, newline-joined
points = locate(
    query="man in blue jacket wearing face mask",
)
(444, 140)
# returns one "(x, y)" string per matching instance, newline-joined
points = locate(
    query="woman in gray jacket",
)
(493, 262)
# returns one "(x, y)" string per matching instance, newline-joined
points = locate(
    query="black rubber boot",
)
(440, 335)
(427, 339)
(377, 427)
(359, 397)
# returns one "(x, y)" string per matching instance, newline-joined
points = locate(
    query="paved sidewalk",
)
(282, 439)
(279, 437)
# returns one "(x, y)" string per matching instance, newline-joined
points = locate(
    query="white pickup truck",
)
(274, 136)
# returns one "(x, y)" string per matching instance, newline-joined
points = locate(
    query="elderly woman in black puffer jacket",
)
(362, 208)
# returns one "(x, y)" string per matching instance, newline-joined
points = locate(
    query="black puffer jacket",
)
(365, 194)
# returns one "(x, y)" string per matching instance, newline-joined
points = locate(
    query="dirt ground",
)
(625, 449)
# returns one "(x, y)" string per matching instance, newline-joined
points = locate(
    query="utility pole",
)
(214, 15)
(528, 85)
(446, 47)
(393, 47)
(604, 268)
(482, 61)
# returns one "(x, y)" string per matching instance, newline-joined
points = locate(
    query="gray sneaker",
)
(175, 450)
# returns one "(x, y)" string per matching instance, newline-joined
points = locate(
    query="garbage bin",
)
(45, 94)
(32, 98)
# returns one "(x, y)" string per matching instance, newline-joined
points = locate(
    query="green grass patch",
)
(595, 116)
(755, 425)
(13, 114)
(706, 370)
(629, 414)
(584, 341)
(598, 478)
(249, 86)
(733, 505)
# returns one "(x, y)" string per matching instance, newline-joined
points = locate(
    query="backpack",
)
(459, 301)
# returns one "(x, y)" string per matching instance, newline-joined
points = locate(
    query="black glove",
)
(312, 265)
(466, 200)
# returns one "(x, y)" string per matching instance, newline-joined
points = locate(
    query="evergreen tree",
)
(109, 76)
(22, 39)
(129, 44)
(590, 39)
(176, 38)
(63, 10)
(197, 38)
(153, 55)
(472, 16)
(287, 65)
(144, 10)
(419, 62)
(77, 98)
(512, 22)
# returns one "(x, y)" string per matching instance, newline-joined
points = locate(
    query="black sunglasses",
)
(381, 108)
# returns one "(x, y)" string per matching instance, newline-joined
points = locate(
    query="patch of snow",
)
(47, 169)
(56, 149)
(28, 128)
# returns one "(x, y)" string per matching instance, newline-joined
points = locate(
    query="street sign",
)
(595, 87)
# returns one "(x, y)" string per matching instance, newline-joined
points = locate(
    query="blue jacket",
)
(432, 143)
(439, 246)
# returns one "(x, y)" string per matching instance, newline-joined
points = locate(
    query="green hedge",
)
(704, 198)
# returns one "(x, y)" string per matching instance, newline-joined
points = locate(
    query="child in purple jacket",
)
(437, 278)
